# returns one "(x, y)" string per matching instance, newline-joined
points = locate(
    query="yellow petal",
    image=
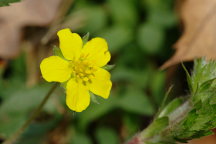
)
(77, 96)
(101, 84)
(97, 52)
(70, 43)
(55, 69)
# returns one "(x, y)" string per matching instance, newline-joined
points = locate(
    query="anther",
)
(85, 79)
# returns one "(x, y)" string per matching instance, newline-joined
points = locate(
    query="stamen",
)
(82, 70)
(85, 79)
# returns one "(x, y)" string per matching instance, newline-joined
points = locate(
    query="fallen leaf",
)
(18, 15)
(199, 37)
(204, 140)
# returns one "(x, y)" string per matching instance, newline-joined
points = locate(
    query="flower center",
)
(82, 70)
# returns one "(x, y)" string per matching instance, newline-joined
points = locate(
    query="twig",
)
(58, 19)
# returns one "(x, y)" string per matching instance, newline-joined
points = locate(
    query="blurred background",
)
(140, 34)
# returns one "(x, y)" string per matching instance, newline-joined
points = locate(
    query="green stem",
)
(37, 111)
(174, 118)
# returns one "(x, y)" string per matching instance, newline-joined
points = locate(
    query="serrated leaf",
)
(206, 85)
(188, 77)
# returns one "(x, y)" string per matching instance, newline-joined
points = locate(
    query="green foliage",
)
(57, 52)
(155, 127)
(80, 139)
(36, 133)
(134, 100)
(95, 111)
(117, 37)
(7, 2)
(96, 19)
(86, 38)
(190, 117)
(172, 106)
(108, 67)
(157, 82)
(123, 12)
(138, 36)
(159, 12)
(14, 111)
(150, 38)
(201, 119)
(106, 136)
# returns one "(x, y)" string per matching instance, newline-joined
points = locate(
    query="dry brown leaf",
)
(204, 140)
(26, 13)
(199, 37)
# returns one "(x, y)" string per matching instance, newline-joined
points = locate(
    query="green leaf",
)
(7, 2)
(80, 139)
(188, 77)
(138, 78)
(150, 38)
(117, 37)
(109, 67)
(157, 83)
(136, 101)
(123, 12)
(95, 19)
(57, 52)
(94, 98)
(203, 71)
(165, 97)
(86, 38)
(15, 109)
(206, 85)
(37, 131)
(164, 18)
(131, 124)
(105, 135)
(173, 105)
(95, 111)
(202, 79)
(160, 13)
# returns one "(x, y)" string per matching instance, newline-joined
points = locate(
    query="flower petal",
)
(78, 97)
(70, 43)
(101, 83)
(97, 52)
(55, 69)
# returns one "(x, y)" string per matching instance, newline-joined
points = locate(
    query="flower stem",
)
(37, 111)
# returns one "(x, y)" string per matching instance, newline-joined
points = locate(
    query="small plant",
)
(189, 117)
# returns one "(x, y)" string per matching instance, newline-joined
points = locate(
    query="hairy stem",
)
(174, 118)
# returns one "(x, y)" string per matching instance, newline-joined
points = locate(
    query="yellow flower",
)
(80, 68)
